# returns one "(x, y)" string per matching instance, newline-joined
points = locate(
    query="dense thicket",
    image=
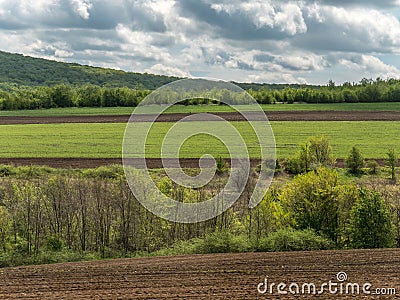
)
(96, 213)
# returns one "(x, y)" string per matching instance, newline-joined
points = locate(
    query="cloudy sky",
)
(259, 40)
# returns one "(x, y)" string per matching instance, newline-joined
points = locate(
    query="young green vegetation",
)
(104, 140)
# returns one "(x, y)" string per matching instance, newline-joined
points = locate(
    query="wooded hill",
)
(30, 71)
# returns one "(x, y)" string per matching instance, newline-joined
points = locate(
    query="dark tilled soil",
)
(218, 276)
(151, 163)
(82, 163)
(229, 116)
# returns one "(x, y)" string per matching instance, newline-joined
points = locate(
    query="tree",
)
(320, 152)
(355, 161)
(62, 95)
(370, 224)
(316, 152)
(89, 96)
(392, 161)
(5, 226)
(331, 84)
(349, 96)
(313, 200)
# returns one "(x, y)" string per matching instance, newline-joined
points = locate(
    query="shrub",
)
(370, 224)
(224, 242)
(54, 244)
(320, 152)
(355, 161)
(295, 240)
(315, 153)
(105, 172)
(312, 201)
(373, 167)
(222, 166)
(293, 165)
(6, 171)
(192, 246)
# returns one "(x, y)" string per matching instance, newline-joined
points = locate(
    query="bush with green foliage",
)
(221, 166)
(6, 170)
(313, 201)
(104, 172)
(295, 240)
(372, 167)
(315, 153)
(370, 223)
(54, 243)
(355, 161)
(224, 242)
(320, 152)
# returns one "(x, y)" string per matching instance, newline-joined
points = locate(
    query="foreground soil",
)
(218, 276)
(229, 116)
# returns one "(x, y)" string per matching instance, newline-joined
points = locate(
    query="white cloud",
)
(82, 8)
(286, 17)
(370, 66)
(363, 28)
(166, 70)
(260, 40)
(276, 78)
(290, 19)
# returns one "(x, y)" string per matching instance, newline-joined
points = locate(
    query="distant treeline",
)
(14, 97)
(367, 90)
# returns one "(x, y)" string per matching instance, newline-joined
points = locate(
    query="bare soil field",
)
(229, 116)
(218, 276)
(82, 163)
(151, 163)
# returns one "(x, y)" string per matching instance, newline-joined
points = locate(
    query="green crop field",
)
(104, 140)
(392, 106)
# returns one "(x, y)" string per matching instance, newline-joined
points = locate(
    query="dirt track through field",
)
(151, 163)
(229, 116)
(218, 276)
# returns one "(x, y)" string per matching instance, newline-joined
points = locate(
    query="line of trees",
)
(366, 90)
(13, 97)
(68, 96)
(89, 214)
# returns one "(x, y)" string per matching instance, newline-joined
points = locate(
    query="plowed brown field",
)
(218, 276)
(229, 116)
